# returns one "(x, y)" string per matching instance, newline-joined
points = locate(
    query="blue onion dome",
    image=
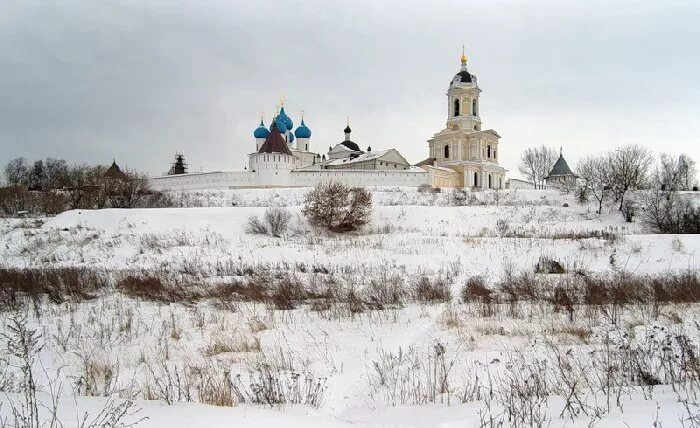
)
(261, 131)
(303, 131)
(287, 120)
(281, 126)
(291, 138)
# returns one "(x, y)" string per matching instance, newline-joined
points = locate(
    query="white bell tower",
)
(463, 100)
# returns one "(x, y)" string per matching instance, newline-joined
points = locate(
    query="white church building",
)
(461, 155)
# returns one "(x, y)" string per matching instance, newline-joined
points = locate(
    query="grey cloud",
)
(89, 81)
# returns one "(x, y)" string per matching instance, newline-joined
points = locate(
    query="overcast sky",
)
(138, 80)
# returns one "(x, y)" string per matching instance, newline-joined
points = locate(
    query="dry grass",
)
(582, 334)
(235, 344)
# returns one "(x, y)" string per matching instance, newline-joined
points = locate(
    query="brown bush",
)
(476, 290)
(287, 293)
(337, 207)
(150, 287)
(437, 291)
(58, 284)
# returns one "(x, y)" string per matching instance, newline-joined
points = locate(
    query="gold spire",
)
(302, 115)
(282, 100)
(464, 56)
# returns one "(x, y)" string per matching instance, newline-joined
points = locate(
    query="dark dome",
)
(464, 77)
(347, 129)
(350, 145)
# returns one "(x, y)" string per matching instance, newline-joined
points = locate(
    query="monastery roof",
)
(429, 161)
(274, 143)
(560, 167)
(360, 158)
(350, 145)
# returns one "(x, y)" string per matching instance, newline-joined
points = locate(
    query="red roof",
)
(274, 143)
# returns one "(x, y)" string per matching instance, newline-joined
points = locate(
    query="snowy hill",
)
(203, 324)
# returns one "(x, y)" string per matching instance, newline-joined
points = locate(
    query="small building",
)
(561, 176)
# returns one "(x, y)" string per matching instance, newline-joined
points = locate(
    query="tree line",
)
(52, 186)
(630, 178)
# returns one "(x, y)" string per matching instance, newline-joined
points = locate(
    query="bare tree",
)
(536, 164)
(17, 172)
(57, 173)
(676, 174)
(128, 193)
(81, 184)
(37, 177)
(686, 172)
(629, 170)
(594, 172)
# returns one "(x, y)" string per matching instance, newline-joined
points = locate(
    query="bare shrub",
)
(669, 212)
(286, 293)
(337, 207)
(151, 287)
(461, 197)
(476, 290)
(277, 220)
(411, 377)
(547, 265)
(436, 291)
(502, 227)
(427, 188)
(255, 226)
(386, 290)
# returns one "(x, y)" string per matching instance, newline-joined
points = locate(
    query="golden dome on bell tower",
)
(464, 56)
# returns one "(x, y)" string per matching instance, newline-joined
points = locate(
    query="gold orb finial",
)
(464, 56)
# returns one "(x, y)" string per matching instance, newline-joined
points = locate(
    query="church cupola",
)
(285, 119)
(303, 133)
(302, 130)
(347, 131)
(261, 131)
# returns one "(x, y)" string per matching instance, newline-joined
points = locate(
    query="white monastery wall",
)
(283, 177)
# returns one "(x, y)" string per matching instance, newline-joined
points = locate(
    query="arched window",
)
(447, 152)
(474, 112)
(488, 151)
(490, 181)
(456, 109)
(476, 179)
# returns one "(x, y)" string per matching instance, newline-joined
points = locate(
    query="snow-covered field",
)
(411, 363)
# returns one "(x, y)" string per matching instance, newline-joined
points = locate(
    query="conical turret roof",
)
(561, 167)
